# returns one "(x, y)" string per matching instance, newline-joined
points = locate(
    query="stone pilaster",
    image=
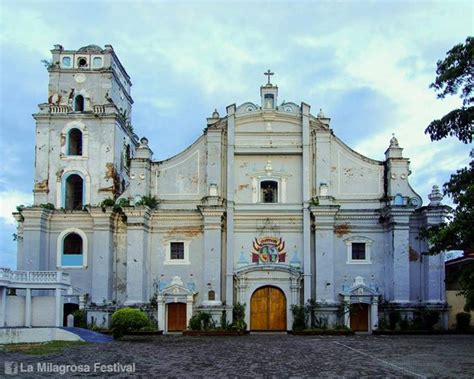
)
(212, 220)
(229, 267)
(36, 241)
(306, 182)
(324, 219)
(397, 226)
(137, 254)
(102, 254)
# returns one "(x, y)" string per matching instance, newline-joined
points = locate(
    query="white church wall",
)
(354, 176)
(182, 177)
(190, 271)
(15, 311)
(41, 310)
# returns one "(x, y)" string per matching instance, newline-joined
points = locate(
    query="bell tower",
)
(269, 93)
(84, 135)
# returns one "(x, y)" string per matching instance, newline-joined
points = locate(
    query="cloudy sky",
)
(367, 64)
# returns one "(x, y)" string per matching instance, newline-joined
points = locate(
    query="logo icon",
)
(268, 250)
(11, 368)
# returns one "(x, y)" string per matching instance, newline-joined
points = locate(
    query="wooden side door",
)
(360, 317)
(176, 317)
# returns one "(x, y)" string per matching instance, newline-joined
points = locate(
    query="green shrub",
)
(425, 319)
(149, 201)
(201, 321)
(393, 319)
(123, 203)
(47, 206)
(299, 317)
(404, 323)
(80, 318)
(128, 319)
(238, 317)
(107, 203)
(463, 320)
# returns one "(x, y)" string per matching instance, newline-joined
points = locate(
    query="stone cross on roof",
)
(269, 73)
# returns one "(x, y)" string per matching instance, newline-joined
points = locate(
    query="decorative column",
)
(434, 278)
(28, 308)
(58, 308)
(189, 308)
(137, 254)
(161, 313)
(212, 214)
(347, 309)
(3, 306)
(229, 267)
(324, 220)
(306, 195)
(102, 255)
(374, 313)
(399, 229)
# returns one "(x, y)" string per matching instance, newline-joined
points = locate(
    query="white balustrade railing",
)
(99, 109)
(59, 108)
(32, 277)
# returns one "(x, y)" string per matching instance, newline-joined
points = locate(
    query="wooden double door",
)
(268, 309)
(360, 317)
(176, 317)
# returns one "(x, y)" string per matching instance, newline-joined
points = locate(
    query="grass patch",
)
(41, 348)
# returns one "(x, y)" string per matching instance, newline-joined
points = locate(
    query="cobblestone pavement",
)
(273, 356)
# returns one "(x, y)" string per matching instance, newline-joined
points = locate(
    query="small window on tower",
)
(75, 142)
(66, 62)
(269, 101)
(177, 250)
(97, 62)
(82, 62)
(79, 103)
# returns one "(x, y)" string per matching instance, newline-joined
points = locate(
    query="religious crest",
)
(268, 250)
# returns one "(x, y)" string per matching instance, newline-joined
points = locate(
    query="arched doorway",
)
(69, 308)
(268, 309)
(176, 317)
(360, 317)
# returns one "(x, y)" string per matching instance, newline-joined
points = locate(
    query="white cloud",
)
(25, 28)
(9, 200)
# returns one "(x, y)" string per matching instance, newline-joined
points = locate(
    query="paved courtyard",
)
(273, 356)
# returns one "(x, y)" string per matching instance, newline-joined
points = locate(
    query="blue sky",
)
(367, 64)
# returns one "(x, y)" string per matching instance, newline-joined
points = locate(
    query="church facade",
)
(267, 208)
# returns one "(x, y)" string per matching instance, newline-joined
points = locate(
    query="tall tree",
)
(455, 74)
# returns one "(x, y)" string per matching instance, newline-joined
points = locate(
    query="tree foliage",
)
(458, 233)
(455, 74)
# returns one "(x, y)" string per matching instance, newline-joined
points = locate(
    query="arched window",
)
(79, 103)
(269, 101)
(211, 295)
(398, 200)
(269, 191)
(72, 244)
(74, 192)
(74, 142)
(72, 250)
